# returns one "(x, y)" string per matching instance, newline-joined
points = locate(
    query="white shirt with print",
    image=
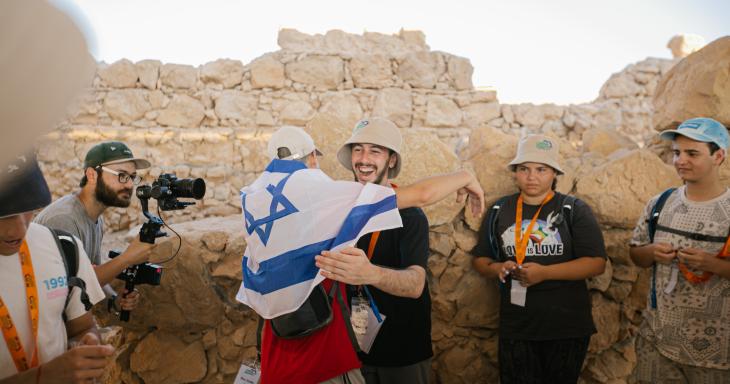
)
(50, 275)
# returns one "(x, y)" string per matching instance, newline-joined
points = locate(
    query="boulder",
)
(606, 141)
(127, 105)
(162, 357)
(618, 190)
(460, 71)
(698, 86)
(685, 44)
(148, 72)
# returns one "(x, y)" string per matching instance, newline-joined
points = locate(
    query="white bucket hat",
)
(537, 149)
(378, 131)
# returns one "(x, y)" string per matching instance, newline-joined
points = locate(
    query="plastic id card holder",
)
(518, 293)
(249, 373)
(366, 321)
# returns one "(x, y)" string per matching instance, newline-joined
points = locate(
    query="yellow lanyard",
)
(12, 340)
(520, 240)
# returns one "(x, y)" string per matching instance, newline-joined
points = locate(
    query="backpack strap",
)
(70, 256)
(567, 208)
(491, 230)
(346, 316)
(652, 224)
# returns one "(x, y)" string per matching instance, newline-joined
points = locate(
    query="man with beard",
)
(388, 267)
(110, 174)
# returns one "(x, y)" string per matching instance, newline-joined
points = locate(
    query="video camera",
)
(166, 190)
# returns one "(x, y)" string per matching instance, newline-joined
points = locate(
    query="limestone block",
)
(618, 190)
(530, 115)
(267, 72)
(396, 105)
(697, 86)
(347, 107)
(371, 71)
(607, 318)
(426, 155)
(226, 72)
(329, 132)
(297, 113)
(606, 141)
(420, 69)
(481, 113)
(460, 70)
(120, 74)
(236, 105)
(183, 111)
(442, 112)
(322, 72)
(620, 85)
(148, 72)
(178, 76)
(126, 105)
(685, 44)
(162, 357)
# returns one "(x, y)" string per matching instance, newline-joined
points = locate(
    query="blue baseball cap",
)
(700, 129)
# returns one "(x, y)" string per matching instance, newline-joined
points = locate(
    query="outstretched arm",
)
(435, 188)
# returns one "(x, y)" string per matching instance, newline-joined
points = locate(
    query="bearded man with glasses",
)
(110, 174)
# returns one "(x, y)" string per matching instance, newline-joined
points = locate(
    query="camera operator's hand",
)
(128, 301)
(137, 252)
(79, 364)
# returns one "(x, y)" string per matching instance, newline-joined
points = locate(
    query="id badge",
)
(518, 293)
(249, 373)
(359, 316)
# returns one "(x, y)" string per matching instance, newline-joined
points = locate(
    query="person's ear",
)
(91, 175)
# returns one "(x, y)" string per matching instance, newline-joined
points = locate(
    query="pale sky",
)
(536, 51)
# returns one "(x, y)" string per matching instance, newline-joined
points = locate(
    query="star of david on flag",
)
(291, 214)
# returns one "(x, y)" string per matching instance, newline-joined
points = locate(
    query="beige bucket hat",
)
(374, 130)
(537, 149)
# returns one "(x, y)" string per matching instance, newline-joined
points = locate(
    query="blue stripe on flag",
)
(285, 166)
(296, 266)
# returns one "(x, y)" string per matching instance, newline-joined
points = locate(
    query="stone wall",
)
(213, 121)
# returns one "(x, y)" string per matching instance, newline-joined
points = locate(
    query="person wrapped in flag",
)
(292, 213)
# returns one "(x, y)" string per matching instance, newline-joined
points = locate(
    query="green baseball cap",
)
(112, 152)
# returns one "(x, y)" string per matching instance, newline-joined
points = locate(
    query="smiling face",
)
(370, 163)
(108, 190)
(693, 160)
(534, 179)
(12, 232)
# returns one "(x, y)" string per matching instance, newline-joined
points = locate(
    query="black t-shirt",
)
(555, 309)
(405, 337)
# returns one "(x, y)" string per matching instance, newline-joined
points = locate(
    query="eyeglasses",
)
(124, 177)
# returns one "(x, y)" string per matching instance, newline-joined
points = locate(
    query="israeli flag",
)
(292, 214)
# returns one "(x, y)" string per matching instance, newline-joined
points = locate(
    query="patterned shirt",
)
(691, 324)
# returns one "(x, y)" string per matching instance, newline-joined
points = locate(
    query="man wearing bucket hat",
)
(34, 290)
(683, 236)
(387, 268)
(110, 174)
(328, 355)
(541, 245)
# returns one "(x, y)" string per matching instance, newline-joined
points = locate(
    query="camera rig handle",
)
(151, 229)
(130, 274)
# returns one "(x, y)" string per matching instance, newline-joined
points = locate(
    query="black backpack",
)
(565, 218)
(70, 256)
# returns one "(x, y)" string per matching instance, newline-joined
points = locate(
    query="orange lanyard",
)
(12, 340)
(695, 279)
(520, 240)
(373, 240)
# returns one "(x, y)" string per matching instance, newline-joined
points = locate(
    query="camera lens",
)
(194, 188)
